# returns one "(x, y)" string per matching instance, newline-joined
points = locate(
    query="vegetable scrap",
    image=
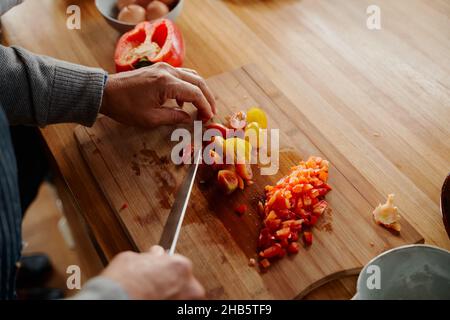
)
(387, 214)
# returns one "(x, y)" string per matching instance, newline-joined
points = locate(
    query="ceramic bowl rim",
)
(131, 25)
(405, 247)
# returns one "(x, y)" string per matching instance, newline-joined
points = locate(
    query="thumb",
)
(167, 115)
(157, 250)
(192, 290)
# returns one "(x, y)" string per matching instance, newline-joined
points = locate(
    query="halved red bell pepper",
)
(149, 43)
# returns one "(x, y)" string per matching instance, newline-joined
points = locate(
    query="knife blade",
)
(172, 228)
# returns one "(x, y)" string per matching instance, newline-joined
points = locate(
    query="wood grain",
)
(134, 167)
(380, 97)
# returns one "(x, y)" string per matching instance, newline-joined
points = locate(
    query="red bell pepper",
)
(149, 43)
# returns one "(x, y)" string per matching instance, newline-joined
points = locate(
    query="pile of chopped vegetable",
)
(232, 146)
(291, 208)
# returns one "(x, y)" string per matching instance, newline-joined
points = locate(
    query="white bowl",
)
(109, 11)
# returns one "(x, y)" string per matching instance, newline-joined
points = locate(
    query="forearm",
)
(37, 90)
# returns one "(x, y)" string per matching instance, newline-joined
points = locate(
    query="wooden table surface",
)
(381, 96)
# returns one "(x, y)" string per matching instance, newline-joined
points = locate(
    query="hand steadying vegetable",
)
(137, 97)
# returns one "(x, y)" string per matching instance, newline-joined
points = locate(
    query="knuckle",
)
(126, 255)
(162, 78)
(197, 93)
(162, 65)
(181, 264)
(201, 82)
(165, 67)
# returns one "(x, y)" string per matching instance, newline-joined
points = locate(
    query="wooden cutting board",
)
(132, 166)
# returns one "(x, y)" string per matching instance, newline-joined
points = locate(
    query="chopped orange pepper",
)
(296, 200)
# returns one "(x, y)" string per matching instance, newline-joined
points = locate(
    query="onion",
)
(132, 14)
(156, 9)
(123, 3)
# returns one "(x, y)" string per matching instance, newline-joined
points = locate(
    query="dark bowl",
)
(445, 204)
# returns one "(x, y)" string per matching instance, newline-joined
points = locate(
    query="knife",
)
(175, 219)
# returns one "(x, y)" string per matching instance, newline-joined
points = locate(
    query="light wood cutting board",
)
(133, 166)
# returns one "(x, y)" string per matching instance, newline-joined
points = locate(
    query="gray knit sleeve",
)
(5, 5)
(38, 90)
(101, 288)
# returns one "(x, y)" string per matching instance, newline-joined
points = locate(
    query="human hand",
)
(154, 275)
(137, 97)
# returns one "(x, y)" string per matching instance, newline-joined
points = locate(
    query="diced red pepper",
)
(294, 200)
(293, 237)
(296, 225)
(273, 225)
(271, 216)
(282, 253)
(265, 239)
(283, 233)
(284, 243)
(314, 193)
(313, 220)
(288, 223)
(306, 200)
(265, 263)
(241, 209)
(307, 238)
(271, 252)
(293, 248)
(320, 207)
